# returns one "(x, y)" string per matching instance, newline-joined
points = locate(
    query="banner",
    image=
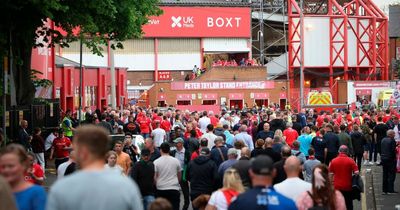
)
(200, 22)
(222, 85)
(164, 75)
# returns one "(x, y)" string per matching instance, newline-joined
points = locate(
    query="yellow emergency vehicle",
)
(384, 98)
(319, 98)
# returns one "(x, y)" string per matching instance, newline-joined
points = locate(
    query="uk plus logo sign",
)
(176, 21)
(182, 22)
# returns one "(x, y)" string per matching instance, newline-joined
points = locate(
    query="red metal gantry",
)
(364, 21)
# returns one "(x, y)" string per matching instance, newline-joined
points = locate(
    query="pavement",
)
(383, 202)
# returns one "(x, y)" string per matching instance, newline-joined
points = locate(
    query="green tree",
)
(21, 23)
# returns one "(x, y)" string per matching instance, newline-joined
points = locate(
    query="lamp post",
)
(112, 72)
(301, 55)
(80, 80)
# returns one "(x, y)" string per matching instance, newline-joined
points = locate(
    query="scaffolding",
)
(361, 20)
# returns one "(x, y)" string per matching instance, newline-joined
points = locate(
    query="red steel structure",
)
(361, 17)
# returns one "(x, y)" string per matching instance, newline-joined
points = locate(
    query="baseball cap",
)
(262, 165)
(232, 151)
(205, 151)
(178, 140)
(145, 152)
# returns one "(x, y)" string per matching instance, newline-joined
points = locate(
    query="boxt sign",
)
(200, 22)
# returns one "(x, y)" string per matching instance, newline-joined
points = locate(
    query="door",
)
(103, 103)
(69, 103)
(236, 104)
(261, 102)
(282, 103)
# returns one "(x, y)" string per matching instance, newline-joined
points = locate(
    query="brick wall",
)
(165, 88)
(147, 77)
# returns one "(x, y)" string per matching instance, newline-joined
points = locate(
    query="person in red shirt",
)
(343, 167)
(290, 134)
(60, 149)
(320, 119)
(166, 125)
(144, 124)
(387, 116)
(213, 119)
(35, 173)
(156, 118)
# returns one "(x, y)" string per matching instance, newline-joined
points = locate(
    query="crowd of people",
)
(249, 159)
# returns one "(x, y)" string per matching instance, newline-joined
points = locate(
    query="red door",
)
(236, 104)
(282, 103)
(69, 103)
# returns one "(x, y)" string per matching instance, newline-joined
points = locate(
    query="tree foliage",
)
(94, 21)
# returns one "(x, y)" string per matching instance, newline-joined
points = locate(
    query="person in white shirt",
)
(111, 164)
(244, 137)
(204, 122)
(292, 187)
(63, 167)
(210, 136)
(159, 135)
(167, 176)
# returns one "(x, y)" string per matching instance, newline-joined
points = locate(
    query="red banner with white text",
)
(200, 22)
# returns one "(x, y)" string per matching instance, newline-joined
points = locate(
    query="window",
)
(209, 102)
(161, 104)
(184, 102)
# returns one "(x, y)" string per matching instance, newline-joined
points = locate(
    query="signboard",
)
(364, 92)
(371, 84)
(261, 95)
(183, 97)
(162, 97)
(236, 96)
(222, 85)
(164, 75)
(200, 22)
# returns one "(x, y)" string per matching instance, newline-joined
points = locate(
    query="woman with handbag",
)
(322, 195)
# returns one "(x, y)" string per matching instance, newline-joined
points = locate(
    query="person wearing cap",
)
(219, 153)
(203, 144)
(262, 196)
(342, 168)
(143, 173)
(202, 174)
(167, 176)
(183, 155)
(232, 159)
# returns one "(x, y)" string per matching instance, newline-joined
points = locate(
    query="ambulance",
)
(316, 98)
(319, 98)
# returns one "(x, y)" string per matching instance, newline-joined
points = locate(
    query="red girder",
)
(370, 29)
